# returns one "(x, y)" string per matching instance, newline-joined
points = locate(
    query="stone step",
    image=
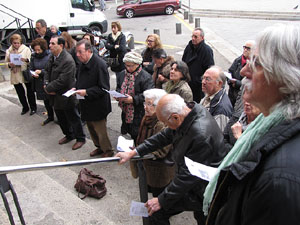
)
(41, 197)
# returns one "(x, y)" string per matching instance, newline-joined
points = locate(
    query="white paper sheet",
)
(116, 94)
(16, 59)
(69, 93)
(138, 209)
(228, 75)
(124, 144)
(79, 96)
(200, 170)
(32, 72)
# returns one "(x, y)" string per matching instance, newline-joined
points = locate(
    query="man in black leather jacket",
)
(194, 134)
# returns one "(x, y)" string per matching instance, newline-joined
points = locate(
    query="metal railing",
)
(5, 184)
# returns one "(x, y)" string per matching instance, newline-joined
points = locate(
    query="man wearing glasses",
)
(193, 133)
(235, 83)
(199, 57)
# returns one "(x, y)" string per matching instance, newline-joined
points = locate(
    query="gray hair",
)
(279, 54)
(155, 94)
(176, 104)
(201, 31)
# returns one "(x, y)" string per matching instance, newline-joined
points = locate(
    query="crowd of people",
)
(246, 125)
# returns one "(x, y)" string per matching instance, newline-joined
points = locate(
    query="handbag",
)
(27, 75)
(90, 184)
(113, 62)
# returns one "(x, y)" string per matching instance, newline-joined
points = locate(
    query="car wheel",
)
(129, 13)
(169, 10)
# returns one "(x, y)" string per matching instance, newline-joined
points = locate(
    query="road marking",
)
(188, 26)
(165, 46)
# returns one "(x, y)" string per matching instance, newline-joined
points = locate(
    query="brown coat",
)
(163, 70)
(158, 173)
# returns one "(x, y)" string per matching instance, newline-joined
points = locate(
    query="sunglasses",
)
(248, 48)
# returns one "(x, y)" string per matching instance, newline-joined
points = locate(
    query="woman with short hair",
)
(16, 73)
(178, 83)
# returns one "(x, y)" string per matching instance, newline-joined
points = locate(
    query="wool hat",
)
(133, 57)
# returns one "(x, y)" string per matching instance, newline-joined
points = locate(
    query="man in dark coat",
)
(236, 82)
(216, 100)
(199, 57)
(194, 134)
(59, 78)
(43, 31)
(258, 182)
(93, 80)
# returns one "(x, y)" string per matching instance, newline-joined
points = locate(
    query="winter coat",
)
(94, 77)
(117, 52)
(264, 188)
(235, 70)
(163, 70)
(17, 77)
(182, 88)
(198, 138)
(143, 82)
(39, 62)
(198, 59)
(221, 108)
(147, 57)
(59, 78)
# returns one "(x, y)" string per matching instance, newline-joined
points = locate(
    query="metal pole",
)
(156, 31)
(43, 166)
(197, 22)
(178, 28)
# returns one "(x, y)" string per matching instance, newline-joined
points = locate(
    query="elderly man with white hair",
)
(194, 133)
(258, 182)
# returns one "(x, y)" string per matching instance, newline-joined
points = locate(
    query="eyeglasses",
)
(247, 48)
(150, 41)
(148, 104)
(195, 36)
(130, 66)
(207, 79)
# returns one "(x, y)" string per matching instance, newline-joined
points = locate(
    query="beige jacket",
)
(16, 75)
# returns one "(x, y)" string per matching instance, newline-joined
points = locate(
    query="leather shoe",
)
(48, 120)
(32, 112)
(107, 154)
(64, 140)
(97, 151)
(24, 111)
(78, 145)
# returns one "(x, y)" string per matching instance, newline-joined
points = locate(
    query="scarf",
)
(115, 36)
(128, 88)
(148, 123)
(259, 127)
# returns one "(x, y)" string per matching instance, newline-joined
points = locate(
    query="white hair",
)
(155, 94)
(175, 104)
(279, 54)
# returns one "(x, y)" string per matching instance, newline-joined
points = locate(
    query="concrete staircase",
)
(48, 197)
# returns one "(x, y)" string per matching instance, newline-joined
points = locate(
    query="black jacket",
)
(59, 78)
(220, 104)
(198, 59)
(117, 52)
(143, 82)
(39, 62)
(235, 70)
(263, 189)
(94, 77)
(198, 138)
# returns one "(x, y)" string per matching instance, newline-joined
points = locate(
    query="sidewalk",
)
(244, 5)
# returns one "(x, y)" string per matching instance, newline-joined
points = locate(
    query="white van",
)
(67, 15)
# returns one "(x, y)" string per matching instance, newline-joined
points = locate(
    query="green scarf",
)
(260, 126)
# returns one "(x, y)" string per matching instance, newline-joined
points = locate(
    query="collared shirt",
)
(207, 99)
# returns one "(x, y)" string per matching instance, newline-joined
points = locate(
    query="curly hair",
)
(41, 42)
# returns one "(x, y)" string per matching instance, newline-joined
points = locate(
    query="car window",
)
(146, 1)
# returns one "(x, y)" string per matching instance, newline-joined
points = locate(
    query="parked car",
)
(131, 8)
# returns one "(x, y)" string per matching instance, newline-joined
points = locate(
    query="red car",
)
(131, 8)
